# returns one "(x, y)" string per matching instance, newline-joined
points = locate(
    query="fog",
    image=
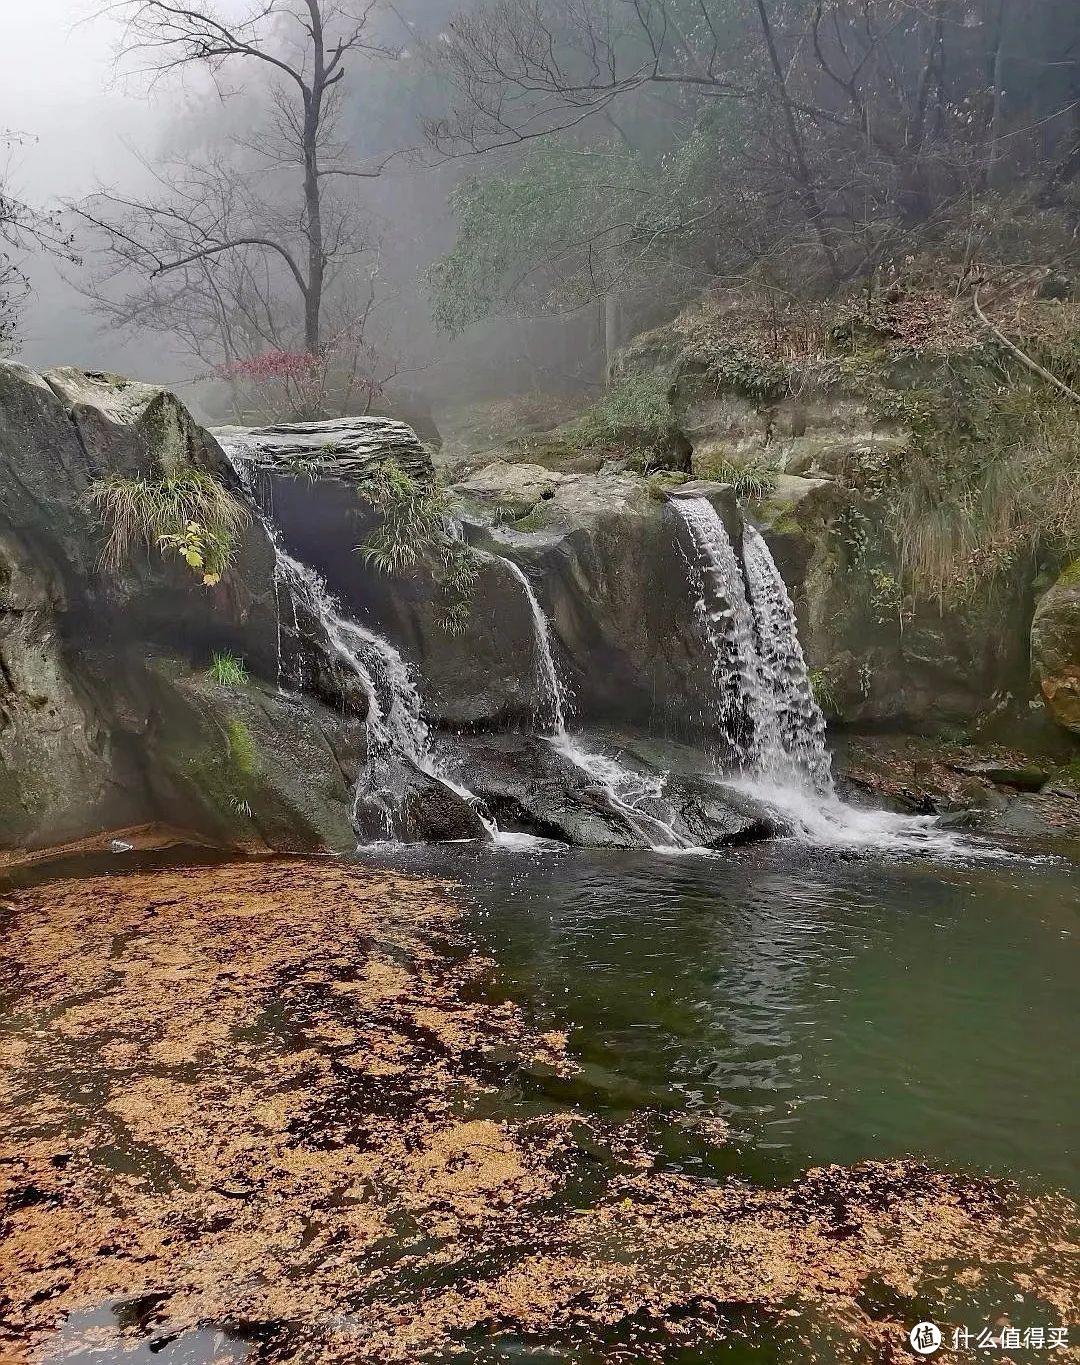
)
(617, 176)
(60, 94)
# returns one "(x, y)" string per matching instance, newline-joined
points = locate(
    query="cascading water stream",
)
(627, 791)
(396, 730)
(764, 702)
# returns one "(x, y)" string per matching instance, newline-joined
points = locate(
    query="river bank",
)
(283, 1109)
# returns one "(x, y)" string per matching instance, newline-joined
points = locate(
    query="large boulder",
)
(243, 764)
(606, 556)
(347, 448)
(1055, 648)
(61, 432)
(89, 726)
(531, 787)
(61, 769)
(594, 793)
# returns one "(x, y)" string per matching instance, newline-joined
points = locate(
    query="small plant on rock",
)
(189, 514)
(227, 670)
(417, 529)
(824, 692)
(750, 478)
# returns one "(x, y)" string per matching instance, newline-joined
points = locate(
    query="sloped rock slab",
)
(346, 448)
(531, 786)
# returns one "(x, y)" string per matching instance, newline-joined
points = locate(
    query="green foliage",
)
(415, 530)
(227, 669)
(243, 756)
(756, 376)
(876, 582)
(531, 521)
(570, 225)
(639, 403)
(824, 692)
(749, 476)
(187, 513)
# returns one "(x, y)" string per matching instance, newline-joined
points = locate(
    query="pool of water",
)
(827, 1008)
(760, 1012)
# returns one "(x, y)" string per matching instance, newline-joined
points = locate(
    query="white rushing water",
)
(764, 703)
(396, 730)
(637, 797)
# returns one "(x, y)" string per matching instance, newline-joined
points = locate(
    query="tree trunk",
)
(312, 188)
(612, 331)
(994, 139)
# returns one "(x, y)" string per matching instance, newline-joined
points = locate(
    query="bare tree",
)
(862, 121)
(23, 229)
(220, 249)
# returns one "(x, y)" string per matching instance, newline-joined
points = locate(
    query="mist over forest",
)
(509, 188)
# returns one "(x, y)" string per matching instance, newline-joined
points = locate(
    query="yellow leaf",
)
(211, 580)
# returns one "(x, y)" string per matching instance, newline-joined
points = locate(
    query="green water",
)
(828, 1009)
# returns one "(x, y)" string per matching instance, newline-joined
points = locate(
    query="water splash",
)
(764, 703)
(637, 797)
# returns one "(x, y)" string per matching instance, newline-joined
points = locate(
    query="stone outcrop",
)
(106, 713)
(346, 448)
(1055, 648)
(531, 786)
(880, 657)
(604, 554)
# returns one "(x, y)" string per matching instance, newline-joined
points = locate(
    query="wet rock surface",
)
(1055, 648)
(531, 785)
(307, 1142)
(85, 706)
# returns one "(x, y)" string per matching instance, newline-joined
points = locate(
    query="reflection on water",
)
(828, 1009)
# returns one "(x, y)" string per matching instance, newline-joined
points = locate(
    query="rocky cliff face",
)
(106, 714)
(881, 656)
(109, 714)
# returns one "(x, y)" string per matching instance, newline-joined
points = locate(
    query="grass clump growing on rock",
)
(639, 403)
(993, 476)
(189, 514)
(227, 670)
(750, 477)
(416, 529)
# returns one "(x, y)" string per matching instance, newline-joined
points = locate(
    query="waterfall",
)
(397, 734)
(761, 688)
(763, 700)
(551, 687)
(793, 740)
(628, 792)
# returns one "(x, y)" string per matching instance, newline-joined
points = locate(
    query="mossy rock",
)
(1055, 648)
